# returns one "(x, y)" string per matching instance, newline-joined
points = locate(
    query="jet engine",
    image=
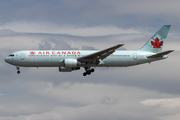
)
(68, 69)
(71, 63)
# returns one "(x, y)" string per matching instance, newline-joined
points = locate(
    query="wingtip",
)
(120, 44)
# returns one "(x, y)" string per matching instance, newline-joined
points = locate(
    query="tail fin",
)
(155, 44)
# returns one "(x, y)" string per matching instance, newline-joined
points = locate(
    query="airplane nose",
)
(6, 60)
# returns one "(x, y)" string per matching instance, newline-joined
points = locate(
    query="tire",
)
(18, 72)
(84, 74)
(92, 70)
(89, 72)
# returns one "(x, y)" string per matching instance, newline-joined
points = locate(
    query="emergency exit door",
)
(135, 56)
(22, 56)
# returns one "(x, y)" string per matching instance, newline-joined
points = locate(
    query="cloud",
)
(165, 103)
(82, 101)
(46, 27)
(52, 43)
(148, 91)
(45, 93)
(92, 13)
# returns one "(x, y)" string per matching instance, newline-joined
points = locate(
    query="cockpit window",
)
(11, 55)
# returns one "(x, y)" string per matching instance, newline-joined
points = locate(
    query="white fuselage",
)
(54, 58)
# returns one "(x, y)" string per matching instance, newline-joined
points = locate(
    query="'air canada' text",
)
(55, 52)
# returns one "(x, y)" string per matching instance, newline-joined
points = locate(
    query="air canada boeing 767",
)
(70, 60)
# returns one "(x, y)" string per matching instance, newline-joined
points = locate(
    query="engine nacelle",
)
(68, 69)
(71, 63)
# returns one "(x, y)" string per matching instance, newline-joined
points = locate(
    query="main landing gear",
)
(88, 71)
(18, 72)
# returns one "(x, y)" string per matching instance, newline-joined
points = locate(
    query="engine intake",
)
(72, 63)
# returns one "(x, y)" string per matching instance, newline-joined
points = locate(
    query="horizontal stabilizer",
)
(160, 54)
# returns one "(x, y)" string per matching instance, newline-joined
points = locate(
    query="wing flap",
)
(160, 54)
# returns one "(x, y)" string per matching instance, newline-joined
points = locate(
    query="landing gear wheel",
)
(84, 74)
(92, 70)
(18, 72)
(89, 72)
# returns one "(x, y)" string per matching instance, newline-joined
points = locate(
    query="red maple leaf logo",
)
(156, 43)
(32, 53)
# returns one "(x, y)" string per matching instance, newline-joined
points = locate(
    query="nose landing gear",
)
(18, 71)
(88, 71)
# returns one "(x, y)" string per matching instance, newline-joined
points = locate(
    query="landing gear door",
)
(22, 56)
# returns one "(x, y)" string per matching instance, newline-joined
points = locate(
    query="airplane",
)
(70, 60)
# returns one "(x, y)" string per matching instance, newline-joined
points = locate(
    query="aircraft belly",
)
(41, 62)
(118, 62)
(50, 62)
(123, 62)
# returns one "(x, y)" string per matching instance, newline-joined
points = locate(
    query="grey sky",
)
(144, 92)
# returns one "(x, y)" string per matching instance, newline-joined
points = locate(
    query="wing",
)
(94, 57)
(160, 54)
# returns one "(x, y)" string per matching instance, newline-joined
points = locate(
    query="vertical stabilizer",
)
(155, 44)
